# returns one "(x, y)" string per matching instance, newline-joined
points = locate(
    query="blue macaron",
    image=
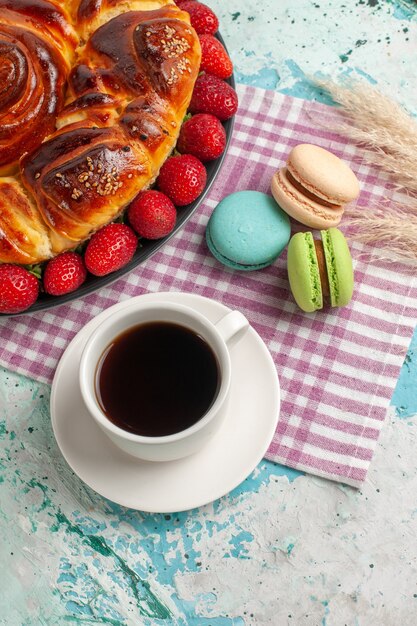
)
(247, 230)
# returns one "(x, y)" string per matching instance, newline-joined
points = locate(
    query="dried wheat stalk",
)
(389, 135)
(377, 122)
(391, 233)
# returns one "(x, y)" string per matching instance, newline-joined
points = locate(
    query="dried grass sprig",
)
(388, 135)
(391, 233)
(378, 123)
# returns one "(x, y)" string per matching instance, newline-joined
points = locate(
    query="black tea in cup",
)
(157, 379)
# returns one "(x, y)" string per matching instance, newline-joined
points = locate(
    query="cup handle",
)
(232, 327)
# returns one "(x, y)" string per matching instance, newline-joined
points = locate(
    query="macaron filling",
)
(298, 185)
(323, 270)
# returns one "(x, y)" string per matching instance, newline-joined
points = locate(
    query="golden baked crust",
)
(131, 81)
(24, 237)
(37, 46)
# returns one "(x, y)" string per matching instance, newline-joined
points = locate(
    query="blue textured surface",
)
(281, 548)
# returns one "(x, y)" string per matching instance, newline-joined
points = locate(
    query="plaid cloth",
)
(337, 368)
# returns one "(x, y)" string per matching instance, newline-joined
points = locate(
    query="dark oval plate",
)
(146, 248)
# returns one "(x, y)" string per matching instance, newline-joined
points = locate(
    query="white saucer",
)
(173, 486)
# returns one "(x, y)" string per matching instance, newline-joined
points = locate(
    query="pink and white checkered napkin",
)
(337, 369)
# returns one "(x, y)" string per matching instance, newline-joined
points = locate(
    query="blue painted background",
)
(70, 556)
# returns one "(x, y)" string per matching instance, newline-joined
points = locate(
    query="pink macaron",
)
(315, 186)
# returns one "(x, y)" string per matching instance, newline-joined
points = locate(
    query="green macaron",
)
(320, 271)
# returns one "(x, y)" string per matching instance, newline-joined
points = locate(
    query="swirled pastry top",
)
(37, 45)
(125, 97)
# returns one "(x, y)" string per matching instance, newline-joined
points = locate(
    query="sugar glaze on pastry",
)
(91, 106)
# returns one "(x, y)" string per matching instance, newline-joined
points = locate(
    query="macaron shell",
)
(229, 262)
(322, 173)
(339, 266)
(302, 208)
(303, 272)
(247, 230)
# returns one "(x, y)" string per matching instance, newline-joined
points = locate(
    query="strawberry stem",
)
(35, 269)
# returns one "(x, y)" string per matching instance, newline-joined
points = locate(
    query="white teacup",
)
(219, 337)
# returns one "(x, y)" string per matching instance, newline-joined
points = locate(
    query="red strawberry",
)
(214, 58)
(152, 214)
(109, 249)
(213, 95)
(63, 274)
(19, 288)
(203, 136)
(182, 178)
(202, 18)
(179, 3)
